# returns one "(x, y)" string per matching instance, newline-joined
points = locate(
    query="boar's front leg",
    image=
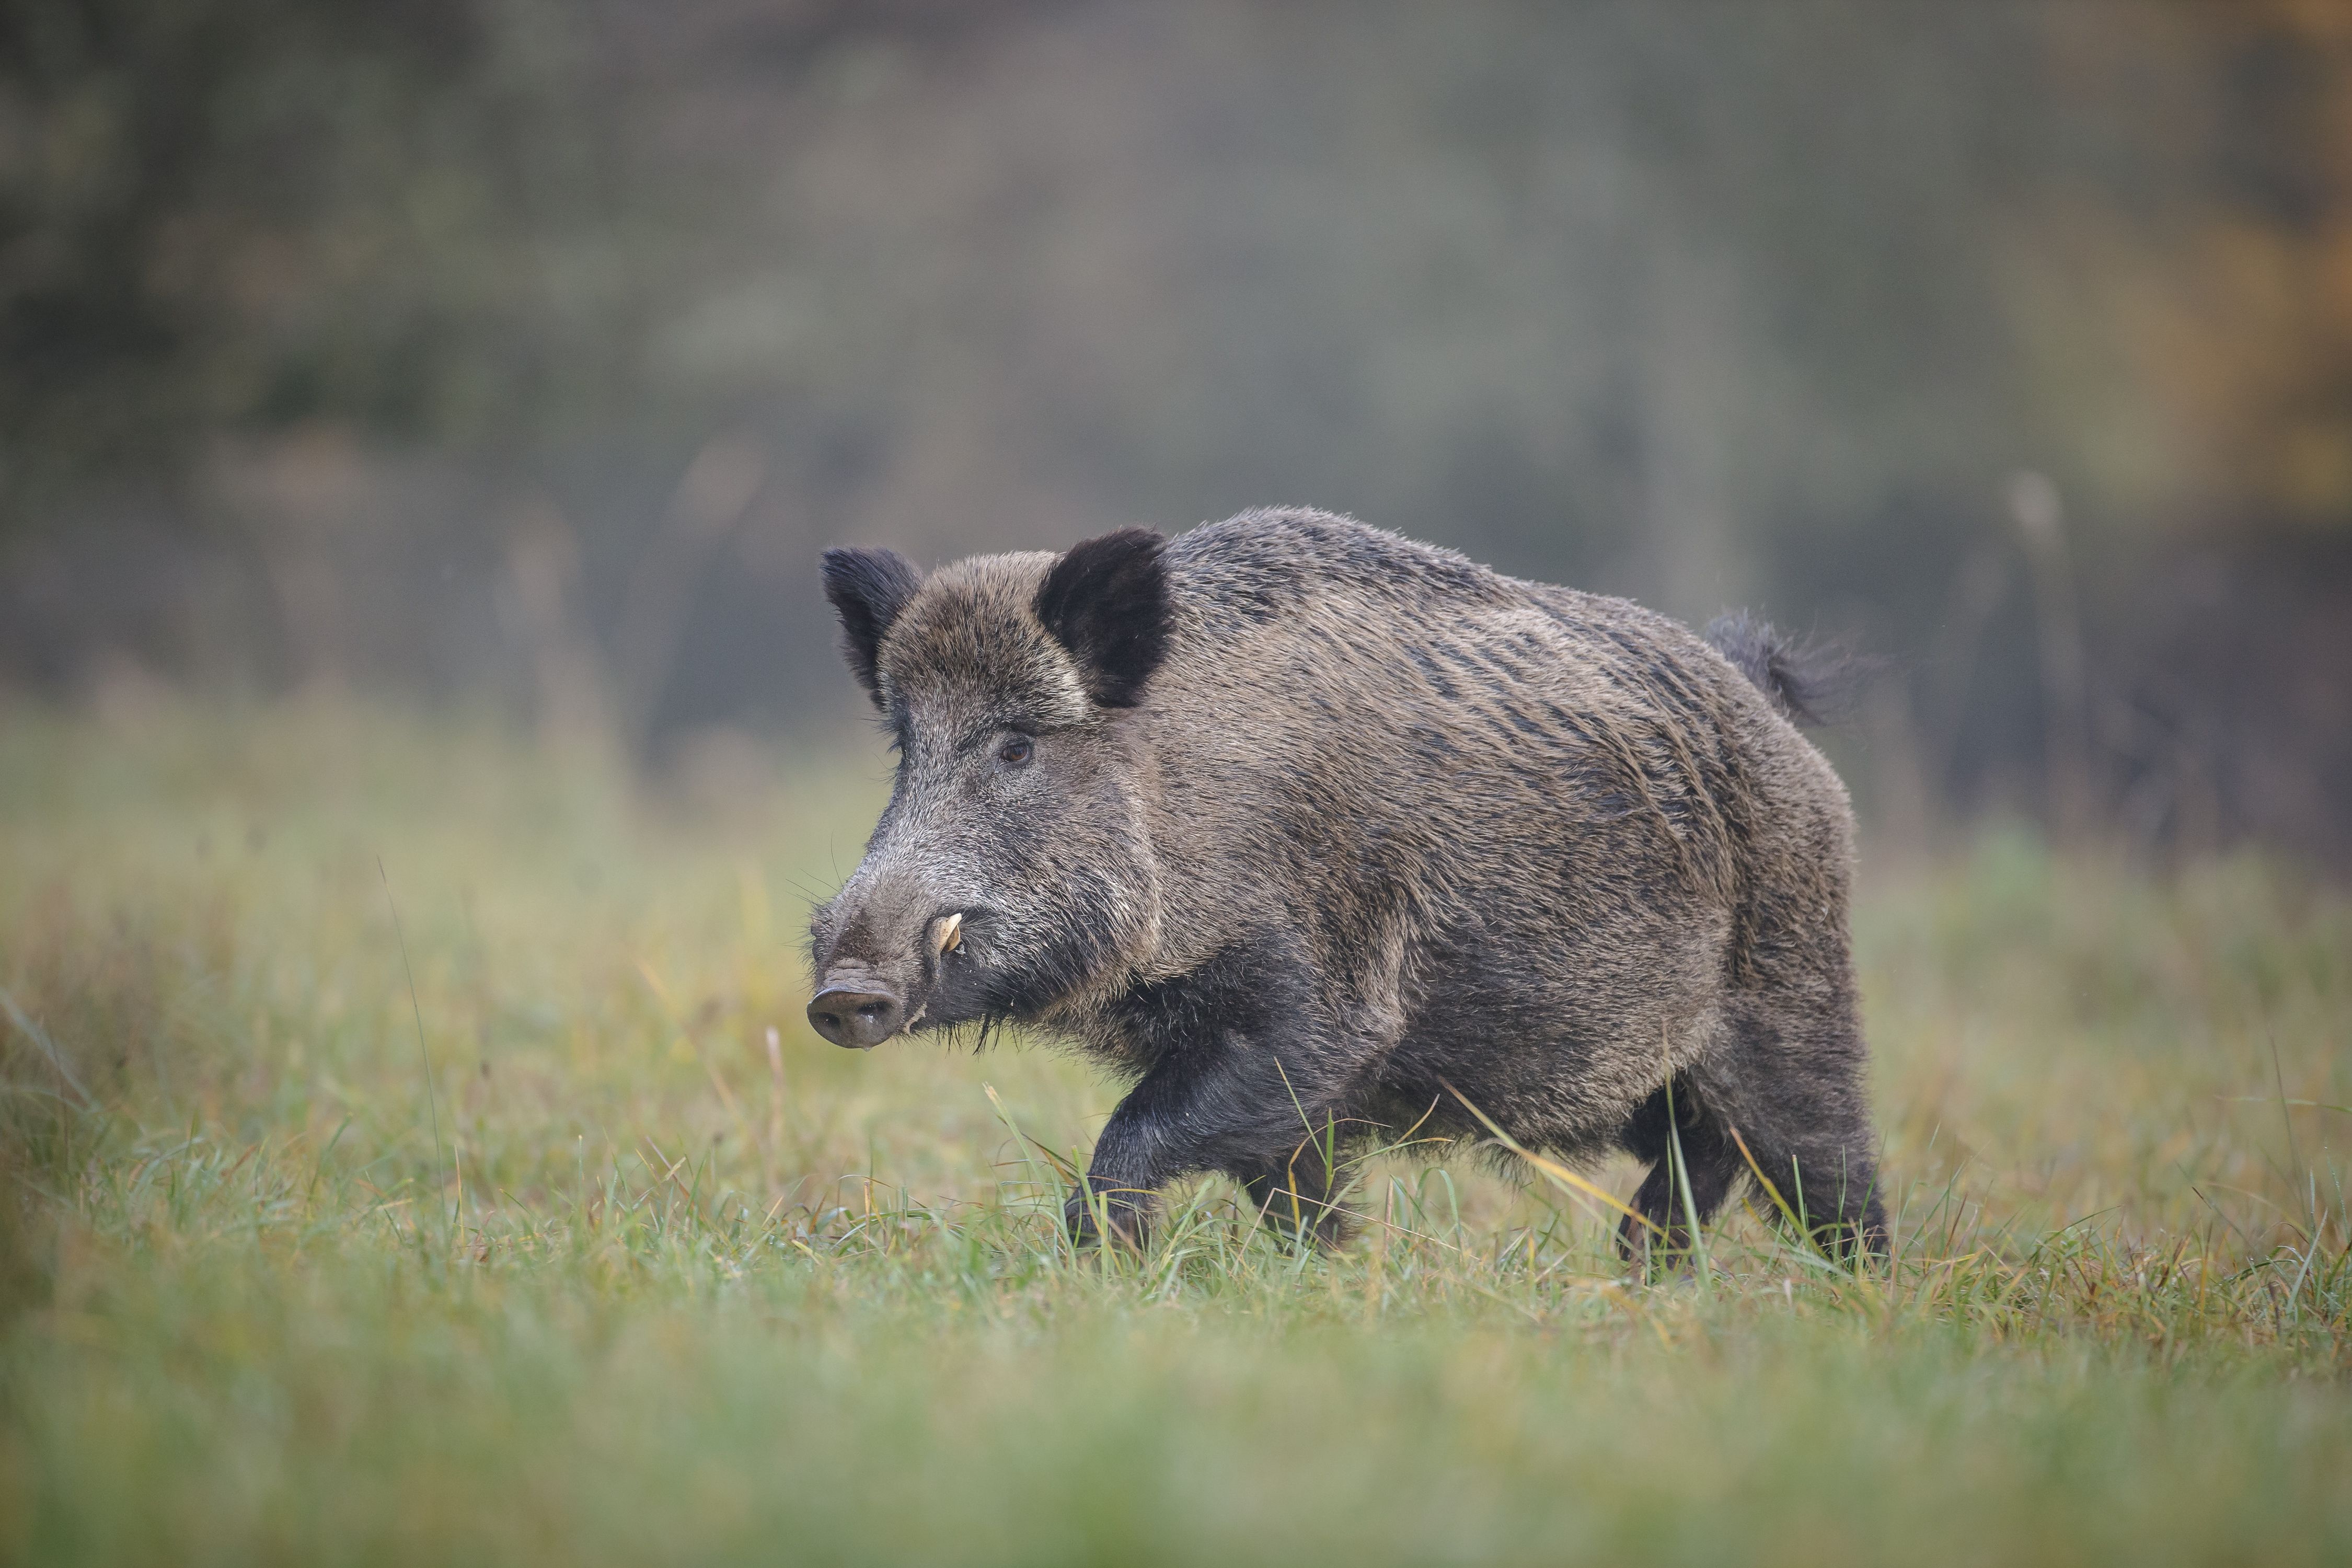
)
(1298, 1199)
(1260, 1115)
(1252, 1089)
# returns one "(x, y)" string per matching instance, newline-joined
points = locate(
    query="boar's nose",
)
(858, 1016)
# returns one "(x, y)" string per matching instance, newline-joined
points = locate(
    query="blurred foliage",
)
(380, 343)
(1850, 248)
(245, 214)
(2236, 303)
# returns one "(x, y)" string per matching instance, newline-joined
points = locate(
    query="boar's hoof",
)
(858, 1016)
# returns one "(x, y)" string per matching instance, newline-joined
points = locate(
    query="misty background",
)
(523, 354)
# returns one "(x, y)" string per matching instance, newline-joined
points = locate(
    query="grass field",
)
(582, 1248)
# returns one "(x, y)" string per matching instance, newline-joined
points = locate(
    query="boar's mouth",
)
(861, 1004)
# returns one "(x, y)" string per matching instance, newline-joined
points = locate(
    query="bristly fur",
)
(868, 588)
(1319, 836)
(1107, 603)
(1811, 682)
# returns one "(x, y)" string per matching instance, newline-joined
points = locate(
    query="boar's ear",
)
(1107, 603)
(868, 588)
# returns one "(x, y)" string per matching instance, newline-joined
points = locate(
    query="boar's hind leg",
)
(1826, 1179)
(1707, 1156)
(1793, 1088)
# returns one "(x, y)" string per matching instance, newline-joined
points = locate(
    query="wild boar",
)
(1318, 835)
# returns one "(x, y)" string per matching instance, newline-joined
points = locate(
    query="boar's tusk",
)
(951, 933)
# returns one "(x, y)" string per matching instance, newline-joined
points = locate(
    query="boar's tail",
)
(1812, 683)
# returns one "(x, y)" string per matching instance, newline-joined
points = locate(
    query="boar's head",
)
(1012, 868)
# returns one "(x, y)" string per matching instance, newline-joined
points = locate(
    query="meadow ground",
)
(583, 1248)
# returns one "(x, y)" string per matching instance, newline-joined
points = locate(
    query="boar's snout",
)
(858, 1011)
(888, 953)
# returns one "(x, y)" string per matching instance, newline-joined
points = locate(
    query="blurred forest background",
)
(524, 353)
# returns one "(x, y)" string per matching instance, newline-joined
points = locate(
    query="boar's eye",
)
(1015, 751)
